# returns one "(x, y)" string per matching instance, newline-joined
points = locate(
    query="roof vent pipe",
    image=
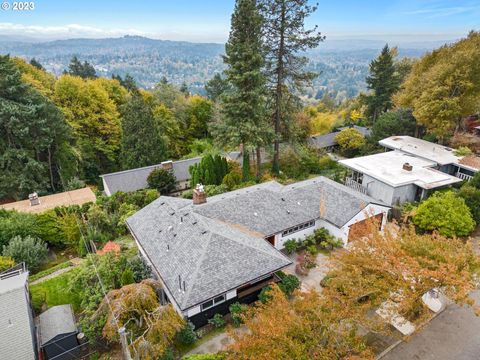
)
(407, 167)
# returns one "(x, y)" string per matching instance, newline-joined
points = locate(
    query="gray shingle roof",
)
(136, 179)
(58, 320)
(219, 245)
(279, 207)
(211, 257)
(328, 140)
(16, 337)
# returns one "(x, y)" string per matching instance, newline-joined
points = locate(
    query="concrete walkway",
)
(217, 343)
(315, 275)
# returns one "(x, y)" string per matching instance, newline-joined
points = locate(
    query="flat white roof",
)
(440, 154)
(388, 168)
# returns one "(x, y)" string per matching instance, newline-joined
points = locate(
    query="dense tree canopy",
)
(32, 130)
(141, 143)
(399, 122)
(95, 121)
(83, 70)
(444, 86)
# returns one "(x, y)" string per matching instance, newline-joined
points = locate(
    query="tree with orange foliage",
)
(304, 328)
(150, 326)
(397, 265)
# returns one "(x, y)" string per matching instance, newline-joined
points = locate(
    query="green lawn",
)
(54, 292)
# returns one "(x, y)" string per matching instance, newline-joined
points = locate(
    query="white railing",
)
(463, 176)
(355, 185)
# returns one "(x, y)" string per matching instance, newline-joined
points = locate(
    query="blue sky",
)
(208, 20)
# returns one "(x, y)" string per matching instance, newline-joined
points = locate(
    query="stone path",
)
(217, 343)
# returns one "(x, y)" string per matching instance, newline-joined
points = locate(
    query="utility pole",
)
(123, 341)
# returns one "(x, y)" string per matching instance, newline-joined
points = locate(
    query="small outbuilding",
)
(57, 333)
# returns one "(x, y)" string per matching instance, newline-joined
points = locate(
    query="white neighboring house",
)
(17, 329)
(209, 254)
(395, 177)
(444, 158)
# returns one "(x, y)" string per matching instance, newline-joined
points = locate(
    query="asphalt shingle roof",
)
(218, 246)
(57, 320)
(208, 255)
(136, 179)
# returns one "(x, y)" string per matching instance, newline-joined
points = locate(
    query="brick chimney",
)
(407, 167)
(199, 196)
(34, 200)
(167, 165)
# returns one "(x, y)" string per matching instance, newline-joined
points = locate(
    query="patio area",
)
(315, 275)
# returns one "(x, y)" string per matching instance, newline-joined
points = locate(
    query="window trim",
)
(298, 228)
(203, 307)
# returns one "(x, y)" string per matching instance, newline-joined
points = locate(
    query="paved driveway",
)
(315, 275)
(454, 334)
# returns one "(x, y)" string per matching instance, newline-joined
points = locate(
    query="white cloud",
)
(63, 32)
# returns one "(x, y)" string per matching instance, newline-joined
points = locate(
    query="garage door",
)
(361, 229)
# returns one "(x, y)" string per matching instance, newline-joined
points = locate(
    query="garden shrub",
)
(288, 284)
(231, 180)
(217, 321)
(140, 270)
(291, 246)
(14, 223)
(446, 213)
(312, 250)
(74, 183)
(264, 295)
(162, 180)
(237, 311)
(471, 195)
(6, 262)
(127, 277)
(30, 250)
(217, 356)
(187, 335)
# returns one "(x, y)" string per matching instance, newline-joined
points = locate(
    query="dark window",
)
(207, 304)
(219, 299)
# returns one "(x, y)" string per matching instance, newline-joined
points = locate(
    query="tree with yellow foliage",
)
(444, 86)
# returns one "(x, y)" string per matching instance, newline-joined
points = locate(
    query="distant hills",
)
(342, 64)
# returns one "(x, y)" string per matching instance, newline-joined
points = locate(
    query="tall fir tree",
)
(383, 81)
(244, 122)
(286, 40)
(84, 70)
(141, 144)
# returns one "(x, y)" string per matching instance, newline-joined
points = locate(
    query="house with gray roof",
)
(57, 333)
(328, 141)
(136, 179)
(17, 330)
(210, 253)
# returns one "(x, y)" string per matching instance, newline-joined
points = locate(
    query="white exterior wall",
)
(377, 189)
(197, 309)
(341, 233)
(280, 240)
(388, 194)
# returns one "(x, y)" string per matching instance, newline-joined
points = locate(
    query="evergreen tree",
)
(35, 63)
(128, 82)
(244, 118)
(85, 70)
(285, 39)
(32, 130)
(383, 82)
(184, 89)
(141, 144)
(216, 87)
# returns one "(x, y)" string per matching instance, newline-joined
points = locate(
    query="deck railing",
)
(355, 185)
(463, 176)
(13, 271)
